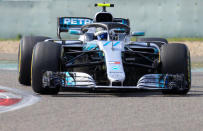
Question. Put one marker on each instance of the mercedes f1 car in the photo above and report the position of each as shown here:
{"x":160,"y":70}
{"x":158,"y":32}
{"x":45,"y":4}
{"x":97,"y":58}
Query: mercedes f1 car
{"x":104,"y":57}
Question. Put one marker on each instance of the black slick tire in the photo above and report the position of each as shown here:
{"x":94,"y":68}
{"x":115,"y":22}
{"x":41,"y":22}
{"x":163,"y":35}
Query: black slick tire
{"x":25,"y":56}
{"x":175,"y":59}
{"x":46,"y":57}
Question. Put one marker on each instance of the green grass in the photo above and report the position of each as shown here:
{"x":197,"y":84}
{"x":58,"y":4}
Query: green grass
{"x":184,"y":39}
{"x":17,"y":38}
{"x":197,"y":64}
{"x":9,"y":39}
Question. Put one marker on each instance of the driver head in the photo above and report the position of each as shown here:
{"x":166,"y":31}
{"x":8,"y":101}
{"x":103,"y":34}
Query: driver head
{"x":101,"y":35}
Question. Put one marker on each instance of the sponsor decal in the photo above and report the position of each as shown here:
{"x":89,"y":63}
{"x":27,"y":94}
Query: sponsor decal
{"x":115,"y":67}
{"x":114,"y":62}
{"x":76,"y":21}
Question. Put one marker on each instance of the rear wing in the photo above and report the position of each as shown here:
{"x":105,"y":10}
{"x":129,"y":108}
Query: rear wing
{"x":66,"y":23}
{"x":122,"y":21}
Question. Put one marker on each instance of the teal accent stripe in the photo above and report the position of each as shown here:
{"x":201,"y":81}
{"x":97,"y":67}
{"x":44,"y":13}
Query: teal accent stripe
{"x":74,"y":32}
{"x":90,"y":46}
{"x":116,"y":43}
{"x":67,"y":74}
{"x":107,"y":43}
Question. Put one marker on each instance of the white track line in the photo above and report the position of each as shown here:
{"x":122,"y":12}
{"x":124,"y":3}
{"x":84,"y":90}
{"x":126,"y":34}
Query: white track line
{"x":9,"y":95}
{"x":28,"y":98}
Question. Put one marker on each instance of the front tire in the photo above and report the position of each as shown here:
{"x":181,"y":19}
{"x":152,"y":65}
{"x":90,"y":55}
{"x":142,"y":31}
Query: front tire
{"x":175,"y":59}
{"x":46,"y":57}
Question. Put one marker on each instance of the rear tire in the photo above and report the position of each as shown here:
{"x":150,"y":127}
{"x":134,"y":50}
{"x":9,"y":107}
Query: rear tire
{"x":46,"y":57}
{"x":157,"y":41}
{"x":25,"y":56}
{"x":175,"y":59}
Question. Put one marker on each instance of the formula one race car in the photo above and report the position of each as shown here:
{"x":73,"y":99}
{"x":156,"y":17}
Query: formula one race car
{"x":104,"y":57}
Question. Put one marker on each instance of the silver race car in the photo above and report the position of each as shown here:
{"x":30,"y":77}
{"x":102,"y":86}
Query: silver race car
{"x":104,"y":57}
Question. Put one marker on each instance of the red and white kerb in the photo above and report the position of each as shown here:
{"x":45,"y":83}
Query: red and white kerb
{"x":8,"y":98}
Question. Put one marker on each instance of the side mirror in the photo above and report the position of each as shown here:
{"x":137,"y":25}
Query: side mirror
{"x":138,"y":33}
{"x":75,"y":32}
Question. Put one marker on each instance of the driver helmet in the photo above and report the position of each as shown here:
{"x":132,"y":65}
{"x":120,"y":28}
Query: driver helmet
{"x":101,"y":35}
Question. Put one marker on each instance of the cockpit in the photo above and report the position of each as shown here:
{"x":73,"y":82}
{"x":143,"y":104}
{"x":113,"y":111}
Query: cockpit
{"x":106,"y":31}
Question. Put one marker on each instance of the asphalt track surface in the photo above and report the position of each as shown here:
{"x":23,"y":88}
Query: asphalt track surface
{"x":106,"y":111}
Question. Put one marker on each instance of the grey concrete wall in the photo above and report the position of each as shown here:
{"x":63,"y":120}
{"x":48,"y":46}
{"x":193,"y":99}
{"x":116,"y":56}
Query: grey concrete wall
{"x":165,"y":18}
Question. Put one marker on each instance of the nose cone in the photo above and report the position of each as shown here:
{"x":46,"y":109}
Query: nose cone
{"x":113,"y":59}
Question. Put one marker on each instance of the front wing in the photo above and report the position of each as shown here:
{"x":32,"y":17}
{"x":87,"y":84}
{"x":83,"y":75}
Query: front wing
{"x":84,"y":81}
